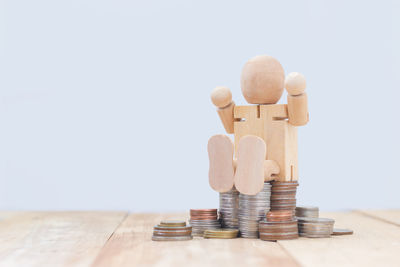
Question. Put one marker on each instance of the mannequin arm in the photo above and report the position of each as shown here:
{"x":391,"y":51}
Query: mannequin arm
{"x":222,"y":99}
{"x":295,"y":84}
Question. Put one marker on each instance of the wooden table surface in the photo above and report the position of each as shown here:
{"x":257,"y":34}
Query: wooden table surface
{"x":121,"y":239}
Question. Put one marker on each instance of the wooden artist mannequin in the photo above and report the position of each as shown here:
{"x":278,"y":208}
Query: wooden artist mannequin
{"x":265,"y":133}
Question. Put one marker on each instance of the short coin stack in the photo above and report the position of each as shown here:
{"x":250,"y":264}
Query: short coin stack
{"x":283,"y":195}
{"x":307,"y":211}
{"x":229,"y":209}
{"x":252,"y":209}
{"x":203,"y":219}
{"x":172,"y":231}
{"x":315,"y":227}
{"x":221,"y":233}
{"x":279,"y":225}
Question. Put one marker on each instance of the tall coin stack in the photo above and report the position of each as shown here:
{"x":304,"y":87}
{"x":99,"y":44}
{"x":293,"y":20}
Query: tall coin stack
{"x":283,"y":195}
{"x":203,"y":219}
{"x":279,"y":225}
{"x":252,"y":210}
{"x":229,"y":209}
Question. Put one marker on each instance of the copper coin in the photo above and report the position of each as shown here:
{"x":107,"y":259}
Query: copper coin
{"x":278,"y":237}
{"x":168,"y":228}
{"x":283,"y":201}
{"x":282,"y":205}
{"x":276,"y":227}
{"x":274,"y":183}
{"x":282,"y":208}
{"x":283,"y":196}
{"x":203,"y":210}
{"x":283,"y":234}
{"x":280,"y":213}
{"x":279,"y":219}
{"x":171,"y":234}
{"x":157,"y":233}
{"x":288,"y":193}
{"x":280,"y":224}
{"x":283,"y":188}
{"x":203,"y":218}
{"x":203,"y":214}
{"x":284,"y":215}
{"x":337,"y":231}
{"x":173,"y":231}
{"x":279,"y":230}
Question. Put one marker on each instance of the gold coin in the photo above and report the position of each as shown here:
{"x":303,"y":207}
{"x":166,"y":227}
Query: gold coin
{"x":221,"y":233}
{"x":172,"y":223}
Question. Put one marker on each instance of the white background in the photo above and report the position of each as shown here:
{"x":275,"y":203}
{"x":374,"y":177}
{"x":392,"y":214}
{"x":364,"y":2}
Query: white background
{"x":105,"y":104}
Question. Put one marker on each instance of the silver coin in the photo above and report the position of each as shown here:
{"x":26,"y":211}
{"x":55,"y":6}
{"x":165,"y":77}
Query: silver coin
{"x":314,"y":235}
{"x":315,"y":227}
{"x":281,"y":234}
{"x":307,"y":211}
{"x":229,"y":208}
{"x":199,"y":226}
{"x":315,"y":220}
{"x":171,"y":238}
{"x":252,"y":209}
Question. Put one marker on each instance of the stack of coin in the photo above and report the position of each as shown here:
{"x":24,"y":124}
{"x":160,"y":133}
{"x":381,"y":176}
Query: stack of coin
{"x":172,"y":231}
{"x":203,"y":219}
{"x":283,"y":195}
{"x":307,"y":211}
{"x":278,"y":230}
{"x":252,"y":209}
{"x":221,"y":233}
{"x":280,"y":216}
{"x":315,"y":227}
{"x":229,"y":209}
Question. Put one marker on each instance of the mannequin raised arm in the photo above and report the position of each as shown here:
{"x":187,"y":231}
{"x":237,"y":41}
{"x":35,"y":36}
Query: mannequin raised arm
{"x":295,"y":85}
{"x":222,"y":99}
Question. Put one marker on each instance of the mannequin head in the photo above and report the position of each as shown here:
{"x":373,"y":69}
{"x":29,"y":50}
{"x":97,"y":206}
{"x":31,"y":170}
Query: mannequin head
{"x":262,"y":80}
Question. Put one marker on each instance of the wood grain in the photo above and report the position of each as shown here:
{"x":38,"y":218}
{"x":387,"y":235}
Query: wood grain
{"x":107,"y":239}
{"x":298,"y":109}
{"x":226,"y":116}
{"x":390,"y":216}
{"x":131,"y":245}
{"x":374,"y":243}
{"x":55,"y":238}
